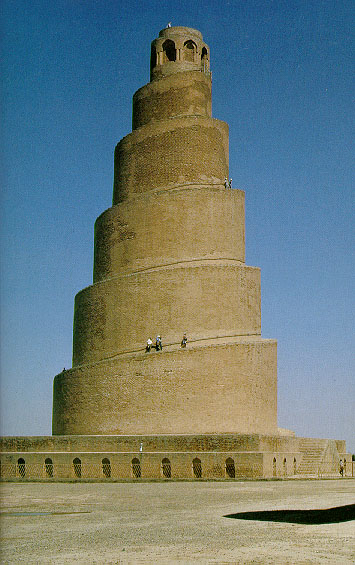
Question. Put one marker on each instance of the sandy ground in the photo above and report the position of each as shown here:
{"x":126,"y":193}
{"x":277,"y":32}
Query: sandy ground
{"x":176,"y":522}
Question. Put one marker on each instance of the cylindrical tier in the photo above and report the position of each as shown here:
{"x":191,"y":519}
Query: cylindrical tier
{"x":169,"y":227}
{"x":183,"y":94}
{"x":170,"y":153}
{"x":205,"y":299}
{"x":177,"y":50}
{"x":228,"y":388}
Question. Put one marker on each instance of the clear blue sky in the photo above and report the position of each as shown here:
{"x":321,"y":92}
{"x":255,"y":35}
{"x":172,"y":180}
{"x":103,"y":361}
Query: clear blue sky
{"x":282,"y":79}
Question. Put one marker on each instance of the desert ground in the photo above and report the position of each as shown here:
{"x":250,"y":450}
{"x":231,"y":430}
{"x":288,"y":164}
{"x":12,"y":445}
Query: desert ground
{"x":282,"y":522}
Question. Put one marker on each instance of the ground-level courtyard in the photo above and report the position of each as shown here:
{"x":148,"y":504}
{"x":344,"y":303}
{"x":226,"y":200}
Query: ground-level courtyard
{"x":283,"y":522}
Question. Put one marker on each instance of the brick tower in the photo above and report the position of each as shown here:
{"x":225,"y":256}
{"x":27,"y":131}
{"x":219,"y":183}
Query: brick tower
{"x":169,"y":258}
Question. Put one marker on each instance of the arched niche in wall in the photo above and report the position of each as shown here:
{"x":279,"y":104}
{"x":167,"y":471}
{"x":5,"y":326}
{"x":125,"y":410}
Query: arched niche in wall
{"x":169,"y":51}
{"x":190,"y":49}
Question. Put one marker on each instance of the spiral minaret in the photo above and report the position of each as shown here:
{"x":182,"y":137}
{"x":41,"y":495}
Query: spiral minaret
{"x":169,"y":258}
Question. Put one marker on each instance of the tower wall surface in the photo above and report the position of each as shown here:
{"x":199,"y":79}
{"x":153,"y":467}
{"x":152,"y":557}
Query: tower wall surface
{"x":115,"y":315}
{"x":153,"y":230}
{"x":169,"y":258}
{"x":215,"y":386}
{"x":170,"y":153}
{"x":183,"y":94}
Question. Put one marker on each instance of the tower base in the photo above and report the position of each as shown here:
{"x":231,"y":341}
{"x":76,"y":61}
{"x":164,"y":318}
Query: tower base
{"x":134,"y":457}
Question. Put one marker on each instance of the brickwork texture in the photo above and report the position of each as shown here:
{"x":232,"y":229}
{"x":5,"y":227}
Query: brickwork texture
{"x":170,"y":258}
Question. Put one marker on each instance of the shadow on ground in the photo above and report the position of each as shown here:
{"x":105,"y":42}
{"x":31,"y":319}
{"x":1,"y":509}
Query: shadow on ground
{"x":321,"y":516}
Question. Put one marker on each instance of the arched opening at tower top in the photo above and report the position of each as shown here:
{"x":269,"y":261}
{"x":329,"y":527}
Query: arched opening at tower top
{"x":204,"y":59}
{"x":169,"y":51}
{"x":189,"y":50}
{"x":153,"y":57}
